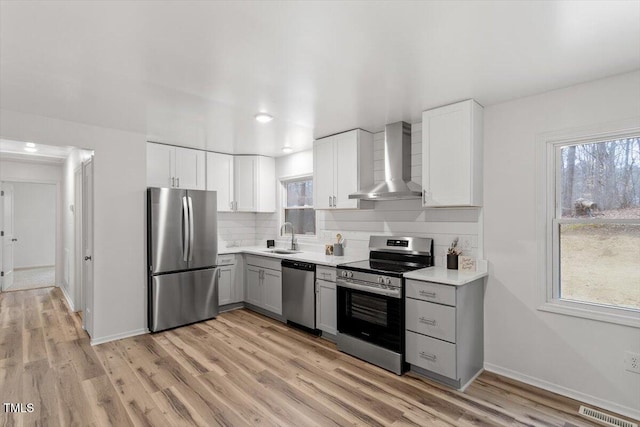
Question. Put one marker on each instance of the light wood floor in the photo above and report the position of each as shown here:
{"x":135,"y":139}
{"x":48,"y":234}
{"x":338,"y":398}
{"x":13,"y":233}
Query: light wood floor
{"x":238,"y":370}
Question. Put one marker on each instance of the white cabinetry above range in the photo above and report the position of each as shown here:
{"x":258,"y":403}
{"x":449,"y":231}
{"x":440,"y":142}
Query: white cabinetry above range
{"x":343,"y":164}
{"x":175,"y":167}
{"x":452,"y":155}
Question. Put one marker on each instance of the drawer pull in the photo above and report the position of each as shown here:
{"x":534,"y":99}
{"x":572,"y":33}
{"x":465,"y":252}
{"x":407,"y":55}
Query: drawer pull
{"x":431,"y":357}
{"x":428,"y":294}
{"x":431,"y":322}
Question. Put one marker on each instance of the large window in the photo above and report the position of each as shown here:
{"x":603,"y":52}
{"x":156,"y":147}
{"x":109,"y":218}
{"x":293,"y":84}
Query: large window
{"x":593,"y":226}
{"x":298,"y":205}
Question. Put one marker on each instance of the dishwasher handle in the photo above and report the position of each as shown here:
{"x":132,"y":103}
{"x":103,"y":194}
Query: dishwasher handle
{"x":298,"y":265}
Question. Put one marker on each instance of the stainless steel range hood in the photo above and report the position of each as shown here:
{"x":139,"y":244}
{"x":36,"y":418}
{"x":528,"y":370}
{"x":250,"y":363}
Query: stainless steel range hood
{"x":397,"y":184}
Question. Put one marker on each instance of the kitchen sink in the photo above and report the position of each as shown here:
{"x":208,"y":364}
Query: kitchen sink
{"x":282,"y":251}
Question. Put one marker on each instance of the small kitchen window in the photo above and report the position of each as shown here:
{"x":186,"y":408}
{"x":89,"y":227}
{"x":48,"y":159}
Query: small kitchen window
{"x":298,"y":205}
{"x":592,"y":227}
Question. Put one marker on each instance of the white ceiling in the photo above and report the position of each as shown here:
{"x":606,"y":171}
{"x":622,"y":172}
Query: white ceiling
{"x":194,"y":73}
{"x":15,"y":150}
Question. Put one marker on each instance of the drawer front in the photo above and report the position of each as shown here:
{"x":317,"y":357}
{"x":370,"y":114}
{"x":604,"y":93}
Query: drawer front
{"x":326,"y":273}
{"x":435,"y":320}
{"x":226,"y":260}
{"x":431,"y":354}
{"x":264,"y":262}
{"x":432,"y":292}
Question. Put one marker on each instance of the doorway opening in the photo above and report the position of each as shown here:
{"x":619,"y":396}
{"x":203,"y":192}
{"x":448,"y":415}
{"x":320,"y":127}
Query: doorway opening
{"x":29,"y":230}
{"x":46,"y":221}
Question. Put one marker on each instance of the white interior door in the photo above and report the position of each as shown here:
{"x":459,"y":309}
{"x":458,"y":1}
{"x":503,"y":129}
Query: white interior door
{"x":87,"y":244}
{"x":7,"y":239}
{"x":78,"y":251}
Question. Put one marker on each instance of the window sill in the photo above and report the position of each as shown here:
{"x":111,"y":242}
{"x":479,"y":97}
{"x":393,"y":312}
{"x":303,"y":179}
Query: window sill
{"x":593,"y":312}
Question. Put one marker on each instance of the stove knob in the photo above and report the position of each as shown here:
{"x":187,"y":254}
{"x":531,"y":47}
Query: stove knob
{"x":344,"y":274}
{"x":350,"y":274}
{"x":387,"y":281}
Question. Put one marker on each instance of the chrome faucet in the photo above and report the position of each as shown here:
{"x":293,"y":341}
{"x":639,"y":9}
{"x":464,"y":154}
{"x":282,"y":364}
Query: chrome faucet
{"x":293,"y":234}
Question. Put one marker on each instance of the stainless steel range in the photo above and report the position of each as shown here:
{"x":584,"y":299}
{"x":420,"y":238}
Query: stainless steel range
{"x":371,"y":299}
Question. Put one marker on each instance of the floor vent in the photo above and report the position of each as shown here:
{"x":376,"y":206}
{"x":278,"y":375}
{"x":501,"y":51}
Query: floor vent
{"x":605,"y":418}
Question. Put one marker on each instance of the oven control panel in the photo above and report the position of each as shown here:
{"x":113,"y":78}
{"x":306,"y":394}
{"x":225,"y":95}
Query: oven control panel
{"x":374,"y":283}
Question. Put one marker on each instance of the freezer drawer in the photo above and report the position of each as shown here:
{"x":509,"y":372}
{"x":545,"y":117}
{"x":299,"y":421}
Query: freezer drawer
{"x":181,"y":298}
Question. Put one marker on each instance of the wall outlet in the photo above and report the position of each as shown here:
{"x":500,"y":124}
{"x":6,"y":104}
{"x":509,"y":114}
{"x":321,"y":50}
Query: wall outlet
{"x":632,"y":362}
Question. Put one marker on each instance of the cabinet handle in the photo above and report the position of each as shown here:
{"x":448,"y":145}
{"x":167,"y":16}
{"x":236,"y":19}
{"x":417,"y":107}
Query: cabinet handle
{"x":424,"y":197}
{"x":178,"y":180}
{"x":330,"y":205}
{"x":431,"y":322}
{"x":431,"y":357}
{"x":334,"y":201}
{"x":173,"y":181}
{"x":428,"y":294}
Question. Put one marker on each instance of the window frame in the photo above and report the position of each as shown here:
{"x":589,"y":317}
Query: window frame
{"x":283,"y":205}
{"x":549,"y":219}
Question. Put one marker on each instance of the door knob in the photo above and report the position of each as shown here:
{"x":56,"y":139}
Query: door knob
{"x":87,"y":258}
{"x":14,"y":240}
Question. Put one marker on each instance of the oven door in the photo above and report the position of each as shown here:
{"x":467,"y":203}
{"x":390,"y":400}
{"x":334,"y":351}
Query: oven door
{"x":375,"y":318}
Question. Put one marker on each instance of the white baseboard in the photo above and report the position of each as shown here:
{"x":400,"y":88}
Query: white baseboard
{"x":568,"y":392}
{"x":29,"y":267}
{"x":102,"y":340}
{"x":68,"y":298}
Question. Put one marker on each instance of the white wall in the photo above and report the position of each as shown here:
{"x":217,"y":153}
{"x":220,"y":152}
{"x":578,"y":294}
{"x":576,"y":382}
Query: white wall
{"x":119,"y":303}
{"x":34,"y":224}
{"x":400,"y":217}
{"x":572,"y":355}
{"x":24,"y":171}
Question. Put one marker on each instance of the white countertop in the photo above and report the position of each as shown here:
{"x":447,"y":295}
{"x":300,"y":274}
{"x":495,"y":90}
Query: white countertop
{"x":306,"y":256}
{"x":445,"y":276}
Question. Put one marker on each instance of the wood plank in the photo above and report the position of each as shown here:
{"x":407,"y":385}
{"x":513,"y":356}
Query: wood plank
{"x":34,"y":347}
{"x":104,"y":402}
{"x":11,"y":342}
{"x":39,"y":388}
{"x":177,"y":411}
{"x":139,"y":405}
{"x":80,"y":353}
{"x":74,"y":408}
{"x":11,"y":372}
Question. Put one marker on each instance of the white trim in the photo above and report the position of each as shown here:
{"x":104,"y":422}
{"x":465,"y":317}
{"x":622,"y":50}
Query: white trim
{"x":108,"y":338}
{"x":564,"y":391}
{"x":546,"y":199}
{"x":29,"y":267}
{"x":66,"y":296}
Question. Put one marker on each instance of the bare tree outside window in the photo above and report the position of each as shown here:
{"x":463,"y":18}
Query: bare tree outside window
{"x":598,"y":222}
{"x":298,"y":208}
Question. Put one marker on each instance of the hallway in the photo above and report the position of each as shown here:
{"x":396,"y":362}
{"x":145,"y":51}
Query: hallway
{"x":32,"y":278}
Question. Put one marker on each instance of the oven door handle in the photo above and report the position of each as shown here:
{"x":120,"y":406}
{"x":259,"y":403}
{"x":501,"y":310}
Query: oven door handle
{"x":393,"y":293}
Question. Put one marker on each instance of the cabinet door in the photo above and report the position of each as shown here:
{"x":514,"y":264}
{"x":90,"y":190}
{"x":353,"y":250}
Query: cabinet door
{"x":327,"y":319}
{"x":225,"y":284}
{"x":347,"y":168}
{"x":272,"y":291}
{"x":450,"y":155}
{"x":244,"y":171}
{"x":220,"y":179}
{"x":190,"y":173}
{"x":160,"y":165}
{"x":254,"y":285}
{"x":266,"y":193}
{"x":323,"y":175}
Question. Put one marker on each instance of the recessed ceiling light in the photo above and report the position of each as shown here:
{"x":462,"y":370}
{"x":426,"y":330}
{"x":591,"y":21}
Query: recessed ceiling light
{"x":287,"y":149}
{"x":30,"y":145}
{"x":30,"y":149}
{"x":264,"y":117}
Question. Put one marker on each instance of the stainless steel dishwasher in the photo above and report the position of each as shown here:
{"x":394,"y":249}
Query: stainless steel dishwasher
{"x":298,"y":293}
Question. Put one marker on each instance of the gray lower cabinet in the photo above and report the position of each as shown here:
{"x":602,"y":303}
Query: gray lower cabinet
{"x":445,"y":330}
{"x":264,"y":283}
{"x":326,"y":300}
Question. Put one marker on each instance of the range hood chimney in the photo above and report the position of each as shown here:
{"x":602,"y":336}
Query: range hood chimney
{"x":397,"y":183}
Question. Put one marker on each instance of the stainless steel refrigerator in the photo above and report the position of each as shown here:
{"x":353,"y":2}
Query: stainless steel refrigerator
{"x":182,"y":247}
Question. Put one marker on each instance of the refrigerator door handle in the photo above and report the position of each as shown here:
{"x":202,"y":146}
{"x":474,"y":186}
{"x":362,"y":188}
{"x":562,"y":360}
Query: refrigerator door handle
{"x":191,"y":232}
{"x":185,"y":230}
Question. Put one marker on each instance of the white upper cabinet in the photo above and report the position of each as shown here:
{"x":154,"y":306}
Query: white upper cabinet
{"x":452,"y":155}
{"x":175,"y":167}
{"x":254,"y":184}
{"x":220,"y":179}
{"x":343,"y":164}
